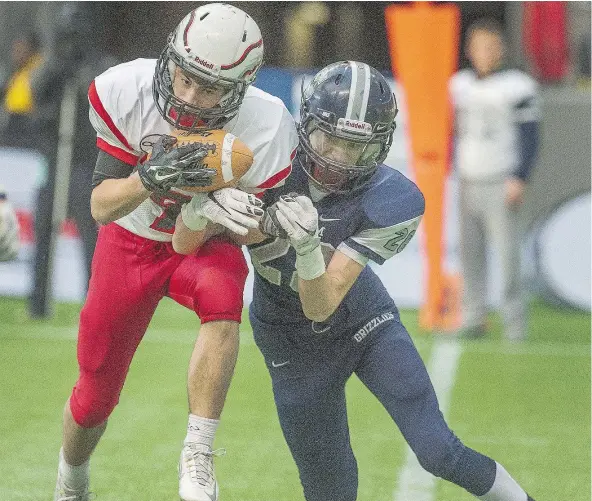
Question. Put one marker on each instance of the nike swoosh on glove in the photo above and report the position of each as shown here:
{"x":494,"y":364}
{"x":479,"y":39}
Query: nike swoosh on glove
{"x":170,"y":167}
{"x":232,"y":208}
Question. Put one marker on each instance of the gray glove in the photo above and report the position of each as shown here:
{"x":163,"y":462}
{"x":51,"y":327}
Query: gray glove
{"x":269,"y":224}
{"x":170,"y":167}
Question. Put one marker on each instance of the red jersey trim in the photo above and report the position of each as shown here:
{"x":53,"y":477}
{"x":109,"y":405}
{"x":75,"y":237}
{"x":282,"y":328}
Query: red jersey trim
{"x":279,"y":176}
{"x":96,"y":103}
{"x":120,"y":154}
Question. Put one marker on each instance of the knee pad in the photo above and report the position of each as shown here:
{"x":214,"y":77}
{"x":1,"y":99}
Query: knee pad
{"x":92,"y":400}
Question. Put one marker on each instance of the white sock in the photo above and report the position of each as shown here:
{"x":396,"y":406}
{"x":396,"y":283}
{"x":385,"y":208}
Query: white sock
{"x":201,"y":430}
{"x":504,"y":487}
{"x":75,"y":477}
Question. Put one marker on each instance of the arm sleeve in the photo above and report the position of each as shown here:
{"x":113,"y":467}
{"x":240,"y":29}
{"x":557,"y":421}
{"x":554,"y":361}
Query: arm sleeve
{"x":528,"y":138}
{"x":109,"y":167}
{"x":104,"y":99}
{"x":389,"y":224}
{"x":380,"y":244}
{"x":527,"y":118}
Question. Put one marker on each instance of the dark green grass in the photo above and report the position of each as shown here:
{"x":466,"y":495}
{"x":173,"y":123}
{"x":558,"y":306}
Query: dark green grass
{"x":527,"y":405}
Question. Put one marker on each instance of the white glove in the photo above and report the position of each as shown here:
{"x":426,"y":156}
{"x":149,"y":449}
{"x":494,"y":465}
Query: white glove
{"x":9,"y":232}
{"x":298,"y":217}
{"x":234,"y":209}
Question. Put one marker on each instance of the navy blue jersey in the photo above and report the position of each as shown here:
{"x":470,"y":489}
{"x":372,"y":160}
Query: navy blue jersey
{"x":372,"y":223}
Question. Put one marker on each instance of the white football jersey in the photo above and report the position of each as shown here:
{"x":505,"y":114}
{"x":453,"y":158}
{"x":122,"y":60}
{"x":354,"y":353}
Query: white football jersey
{"x":487,"y":114}
{"x":123,"y":112}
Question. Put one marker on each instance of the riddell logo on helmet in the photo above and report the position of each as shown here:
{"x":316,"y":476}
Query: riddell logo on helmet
{"x":349,"y":125}
{"x":355,"y":125}
{"x":203,"y":62}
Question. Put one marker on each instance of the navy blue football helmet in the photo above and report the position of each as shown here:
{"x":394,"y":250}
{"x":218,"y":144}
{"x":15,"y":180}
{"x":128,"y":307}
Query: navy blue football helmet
{"x":347,"y":120}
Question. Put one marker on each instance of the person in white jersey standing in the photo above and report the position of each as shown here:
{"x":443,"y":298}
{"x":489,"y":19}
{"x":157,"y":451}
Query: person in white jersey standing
{"x":200,"y":81}
{"x":495,"y":144}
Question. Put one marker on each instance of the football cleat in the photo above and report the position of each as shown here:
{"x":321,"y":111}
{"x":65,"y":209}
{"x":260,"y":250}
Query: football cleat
{"x":64,"y":493}
{"x":197,"y":481}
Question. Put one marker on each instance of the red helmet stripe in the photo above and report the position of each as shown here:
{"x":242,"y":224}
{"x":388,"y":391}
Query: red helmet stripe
{"x":258,"y":43}
{"x":189,"y":23}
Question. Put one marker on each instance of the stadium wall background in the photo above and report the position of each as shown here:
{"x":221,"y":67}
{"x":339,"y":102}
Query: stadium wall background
{"x":556,"y":232}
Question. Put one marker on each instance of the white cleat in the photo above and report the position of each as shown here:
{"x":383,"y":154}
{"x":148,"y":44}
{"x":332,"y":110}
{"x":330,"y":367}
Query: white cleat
{"x":197,"y":481}
{"x":64,"y":493}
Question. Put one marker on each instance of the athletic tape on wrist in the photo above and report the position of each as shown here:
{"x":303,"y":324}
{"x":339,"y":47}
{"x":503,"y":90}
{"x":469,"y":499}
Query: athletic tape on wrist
{"x":311,"y":265}
{"x":193,"y":221}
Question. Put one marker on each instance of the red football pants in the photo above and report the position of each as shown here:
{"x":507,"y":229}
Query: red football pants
{"x":130,"y":274}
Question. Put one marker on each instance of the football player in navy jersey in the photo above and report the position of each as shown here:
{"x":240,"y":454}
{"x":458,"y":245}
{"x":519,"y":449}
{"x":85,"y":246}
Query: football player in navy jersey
{"x":319,"y":314}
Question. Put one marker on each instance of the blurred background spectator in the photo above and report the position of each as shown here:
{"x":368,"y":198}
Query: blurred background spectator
{"x":45,"y":108}
{"x":496,"y":140}
{"x":71,"y":63}
{"x":15,"y":91}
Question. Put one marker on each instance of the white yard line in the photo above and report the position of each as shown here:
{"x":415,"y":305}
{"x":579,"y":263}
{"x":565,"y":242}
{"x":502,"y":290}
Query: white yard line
{"x":414,"y":482}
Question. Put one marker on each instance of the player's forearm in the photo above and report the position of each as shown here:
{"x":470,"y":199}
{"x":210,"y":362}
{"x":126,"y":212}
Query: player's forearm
{"x":186,"y":241}
{"x":320,"y":297}
{"x":253,"y":237}
{"x":324,"y":291}
{"x":115,"y":198}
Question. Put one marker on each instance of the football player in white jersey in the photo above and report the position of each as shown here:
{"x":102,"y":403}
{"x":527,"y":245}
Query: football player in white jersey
{"x":496,"y":140}
{"x":200,"y":81}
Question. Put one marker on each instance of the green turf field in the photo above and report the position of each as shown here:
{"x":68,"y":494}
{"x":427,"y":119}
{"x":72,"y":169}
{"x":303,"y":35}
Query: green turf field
{"x":527,"y":405}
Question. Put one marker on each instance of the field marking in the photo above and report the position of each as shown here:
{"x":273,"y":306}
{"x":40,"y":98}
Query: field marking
{"x":526,"y":348}
{"x":414,"y":482}
{"x":177,"y":336}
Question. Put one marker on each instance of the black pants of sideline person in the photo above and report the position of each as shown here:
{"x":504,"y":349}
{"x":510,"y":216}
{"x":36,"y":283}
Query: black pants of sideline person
{"x":79,"y":210}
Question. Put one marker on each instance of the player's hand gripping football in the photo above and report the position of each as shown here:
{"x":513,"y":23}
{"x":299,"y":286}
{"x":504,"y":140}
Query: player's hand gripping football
{"x":170,"y":167}
{"x":298,"y":217}
{"x":234,"y":209}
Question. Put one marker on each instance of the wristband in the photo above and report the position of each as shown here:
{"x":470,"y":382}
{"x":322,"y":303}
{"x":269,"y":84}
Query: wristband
{"x":311,"y":265}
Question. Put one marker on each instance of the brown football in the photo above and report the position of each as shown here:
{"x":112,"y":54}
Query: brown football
{"x":227,"y":154}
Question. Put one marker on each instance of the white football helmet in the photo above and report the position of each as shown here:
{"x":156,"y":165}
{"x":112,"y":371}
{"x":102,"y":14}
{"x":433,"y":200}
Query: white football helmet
{"x":218,"y":43}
